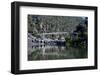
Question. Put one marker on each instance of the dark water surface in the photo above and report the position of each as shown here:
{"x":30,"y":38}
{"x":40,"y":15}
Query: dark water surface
{"x":56,"y":52}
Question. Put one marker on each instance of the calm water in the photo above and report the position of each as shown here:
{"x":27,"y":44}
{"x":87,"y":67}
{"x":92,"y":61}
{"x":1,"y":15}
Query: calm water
{"x":55,"y":52}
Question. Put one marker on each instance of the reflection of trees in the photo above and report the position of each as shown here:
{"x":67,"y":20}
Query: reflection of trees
{"x":55,"y":52}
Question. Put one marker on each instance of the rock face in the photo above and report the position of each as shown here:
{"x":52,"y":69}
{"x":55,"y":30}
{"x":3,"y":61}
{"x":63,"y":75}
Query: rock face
{"x":43,"y":23}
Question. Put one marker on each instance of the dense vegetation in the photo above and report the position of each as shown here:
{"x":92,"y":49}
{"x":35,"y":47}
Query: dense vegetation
{"x":79,"y":37}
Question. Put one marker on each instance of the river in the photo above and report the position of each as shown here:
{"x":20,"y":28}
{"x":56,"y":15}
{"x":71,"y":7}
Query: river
{"x":49,"y":52}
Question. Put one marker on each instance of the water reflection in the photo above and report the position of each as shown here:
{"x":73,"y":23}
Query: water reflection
{"x":49,"y":52}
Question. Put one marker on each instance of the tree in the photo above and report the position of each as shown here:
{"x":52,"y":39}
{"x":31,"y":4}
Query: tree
{"x":78,"y":38}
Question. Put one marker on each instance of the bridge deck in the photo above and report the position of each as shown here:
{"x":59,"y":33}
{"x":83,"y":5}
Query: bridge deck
{"x":53,"y":33}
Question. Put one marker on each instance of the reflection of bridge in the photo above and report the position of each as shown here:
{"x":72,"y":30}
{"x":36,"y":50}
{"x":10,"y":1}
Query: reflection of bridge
{"x":43,"y":40}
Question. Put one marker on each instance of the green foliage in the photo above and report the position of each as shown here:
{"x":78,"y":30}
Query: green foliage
{"x":79,"y":36}
{"x":68,"y":41}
